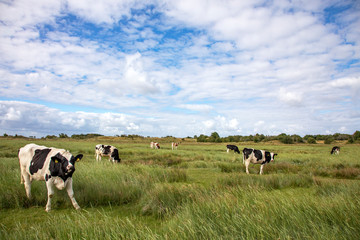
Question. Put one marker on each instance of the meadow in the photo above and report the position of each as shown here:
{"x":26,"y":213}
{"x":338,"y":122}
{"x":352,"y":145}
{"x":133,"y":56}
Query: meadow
{"x":196,"y":192}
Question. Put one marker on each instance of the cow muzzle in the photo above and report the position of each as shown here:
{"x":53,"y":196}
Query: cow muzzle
{"x":70,"y":168}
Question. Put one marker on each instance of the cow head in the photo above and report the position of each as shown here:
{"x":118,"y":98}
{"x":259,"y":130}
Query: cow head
{"x":269,"y":156}
{"x":61,"y":167}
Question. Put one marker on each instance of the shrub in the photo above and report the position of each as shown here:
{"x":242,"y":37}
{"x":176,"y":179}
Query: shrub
{"x":328,"y":140}
{"x":286,"y":139}
{"x":311,"y":140}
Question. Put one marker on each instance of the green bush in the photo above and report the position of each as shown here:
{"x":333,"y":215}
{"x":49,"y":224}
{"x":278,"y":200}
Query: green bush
{"x":311,"y":140}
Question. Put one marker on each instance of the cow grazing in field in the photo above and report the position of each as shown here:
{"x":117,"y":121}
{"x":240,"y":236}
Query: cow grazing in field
{"x":55,"y":166}
{"x":154,"y":145}
{"x":107,"y":150}
{"x":257,"y":157}
{"x":174,"y":145}
{"x":232,"y":147}
{"x":335,"y":150}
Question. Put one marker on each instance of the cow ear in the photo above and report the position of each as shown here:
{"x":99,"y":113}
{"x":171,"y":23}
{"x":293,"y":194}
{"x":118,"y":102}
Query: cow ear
{"x":78,"y":157}
{"x":56,"y":159}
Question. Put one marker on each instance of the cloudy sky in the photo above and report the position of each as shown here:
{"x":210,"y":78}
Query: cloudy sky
{"x":179,"y":68}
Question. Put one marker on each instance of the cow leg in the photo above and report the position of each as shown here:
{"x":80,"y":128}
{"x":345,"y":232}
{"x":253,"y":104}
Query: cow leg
{"x":27,"y":183}
{"x":247,"y":166}
{"x":70,"y":191}
{"x":227,"y":150}
{"x":261,"y":169}
{"x":50,"y":190}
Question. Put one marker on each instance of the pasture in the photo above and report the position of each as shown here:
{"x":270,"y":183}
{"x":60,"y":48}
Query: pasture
{"x":196,"y":192}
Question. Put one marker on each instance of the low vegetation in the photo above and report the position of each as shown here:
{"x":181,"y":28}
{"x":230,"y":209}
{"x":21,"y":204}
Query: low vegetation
{"x":196,"y":192}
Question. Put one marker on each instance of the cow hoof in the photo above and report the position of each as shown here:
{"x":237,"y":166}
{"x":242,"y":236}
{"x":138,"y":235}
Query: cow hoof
{"x":48,"y":209}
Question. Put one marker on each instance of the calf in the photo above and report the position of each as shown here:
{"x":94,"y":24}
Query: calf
{"x":107,"y":150}
{"x":55,"y":166}
{"x":174,"y":145}
{"x":257,"y":157}
{"x":335,"y":150}
{"x":232,"y":147}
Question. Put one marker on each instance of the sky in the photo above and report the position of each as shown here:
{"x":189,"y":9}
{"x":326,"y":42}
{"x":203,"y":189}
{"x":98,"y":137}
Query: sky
{"x":179,"y":68}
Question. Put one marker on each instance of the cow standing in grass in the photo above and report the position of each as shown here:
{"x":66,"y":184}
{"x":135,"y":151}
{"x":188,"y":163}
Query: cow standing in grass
{"x":335,"y":150}
{"x":155,"y":145}
{"x":52,"y":165}
{"x":174,"y":145}
{"x":232,"y":147}
{"x":107,"y":150}
{"x":262,"y":157}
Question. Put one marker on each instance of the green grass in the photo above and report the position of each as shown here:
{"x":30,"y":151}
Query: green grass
{"x":196,"y":192}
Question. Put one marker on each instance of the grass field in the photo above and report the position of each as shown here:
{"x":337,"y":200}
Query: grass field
{"x":196,"y":192}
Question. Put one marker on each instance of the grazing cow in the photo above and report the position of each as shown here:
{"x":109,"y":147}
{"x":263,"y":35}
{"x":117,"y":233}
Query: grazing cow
{"x":174,"y":145}
{"x":335,"y":150}
{"x":257,"y":157}
{"x":154,"y":145}
{"x":55,"y":166}
{"x":107,"y":150}
{"x":232,"y":147}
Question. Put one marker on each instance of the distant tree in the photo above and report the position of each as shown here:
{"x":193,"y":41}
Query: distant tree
{"x":63,"y":135}
{"x":286,"y":139}
{"x":51,"y":137}
{"x":329,"y":140}
{"x":5,"y":135}
{"x":215,"y":137}
{"x":311,"y":140}
{"x":297,"y":138}
{"x":356,"y":135}
{"x":202,"y":138}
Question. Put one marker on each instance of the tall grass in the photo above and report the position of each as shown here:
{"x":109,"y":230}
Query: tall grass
{"x":196,"y":192}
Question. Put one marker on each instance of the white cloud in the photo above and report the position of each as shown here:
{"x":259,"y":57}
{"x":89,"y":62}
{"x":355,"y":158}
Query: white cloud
{"x":351,"y":82}
{"x":196,"y":107}
{"x":290,"y":97}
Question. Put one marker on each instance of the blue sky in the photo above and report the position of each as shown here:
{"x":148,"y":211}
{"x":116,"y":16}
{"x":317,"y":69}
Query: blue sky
{"x":180,"y":68}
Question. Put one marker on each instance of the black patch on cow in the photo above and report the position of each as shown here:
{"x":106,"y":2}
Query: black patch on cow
{"x":47,"y":177}
{"x":267,"y":157}
{"x":247,"y":152}
{"x":115,"y":155}
{"x":38,"y":160}
{"x":58,"y":164}
{"x":233,"y":147}
{"x":258,"y":155}
{"x":107,"y":149}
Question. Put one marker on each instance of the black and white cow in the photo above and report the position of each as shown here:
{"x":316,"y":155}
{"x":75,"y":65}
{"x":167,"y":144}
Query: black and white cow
{"x":107,"y":150}
{"x":232,"y":147}
{"x":257,"y":157}
{"x":55,"y":166}
{"x":335,"y":150}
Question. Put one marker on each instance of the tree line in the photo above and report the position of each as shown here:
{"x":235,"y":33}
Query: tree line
{"x":283,"y":137}
{"x":215,"y":137}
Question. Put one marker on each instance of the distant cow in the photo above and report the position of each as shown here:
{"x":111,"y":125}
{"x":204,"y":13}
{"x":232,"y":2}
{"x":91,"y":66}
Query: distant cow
{"x":232,"y":147}
{"x":257,"y":157}
{"x":155,"y":145}
{"x":107,"y":150}
{"x":174,"y":145}
{"x":55,"y":166}
{"x":335,"y":150}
